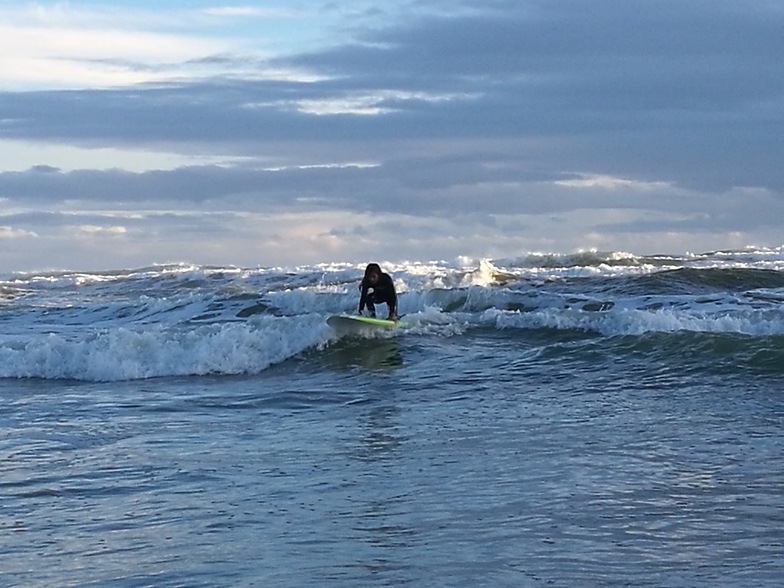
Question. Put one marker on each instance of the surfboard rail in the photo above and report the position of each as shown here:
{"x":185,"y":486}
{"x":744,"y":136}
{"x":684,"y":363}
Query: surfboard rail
{"x":347,"y":320}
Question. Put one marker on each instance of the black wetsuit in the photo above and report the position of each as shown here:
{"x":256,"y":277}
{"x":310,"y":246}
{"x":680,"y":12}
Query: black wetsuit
{"x":383,"y":291}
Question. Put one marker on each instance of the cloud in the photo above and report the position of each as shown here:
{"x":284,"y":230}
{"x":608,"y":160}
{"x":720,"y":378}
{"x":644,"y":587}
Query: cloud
{"x":671,"y":88}
{"x":244,"y":11}
{"x":65,"y":46}
{"x":93,"y":56}
{"x":12,"y":233}
{"x":481,"y":125}
{"x":97,"y":229}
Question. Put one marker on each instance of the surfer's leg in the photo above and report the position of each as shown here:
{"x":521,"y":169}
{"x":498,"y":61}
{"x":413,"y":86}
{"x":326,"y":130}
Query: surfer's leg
{"x":370,"y":303}
{"x":390,"y":301}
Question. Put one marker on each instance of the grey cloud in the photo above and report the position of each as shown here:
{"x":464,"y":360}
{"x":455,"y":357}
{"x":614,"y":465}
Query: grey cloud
{"x":441,"y":186}
{"x":575,"y":44}
{"x":149,"y":222}
{"x":595,"y":63}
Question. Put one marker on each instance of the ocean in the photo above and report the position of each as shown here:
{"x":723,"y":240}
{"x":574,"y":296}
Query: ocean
{"x":594,"y":419}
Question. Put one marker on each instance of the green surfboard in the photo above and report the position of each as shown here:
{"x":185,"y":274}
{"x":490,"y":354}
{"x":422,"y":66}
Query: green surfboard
{"x":347,"y":322}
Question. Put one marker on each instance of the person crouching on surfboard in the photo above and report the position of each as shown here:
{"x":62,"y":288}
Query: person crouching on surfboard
{"x":377,"y":288}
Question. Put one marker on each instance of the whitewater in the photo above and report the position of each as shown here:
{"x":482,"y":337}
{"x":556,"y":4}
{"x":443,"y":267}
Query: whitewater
{"x":177,"y":320}
{"x":590,"y":419}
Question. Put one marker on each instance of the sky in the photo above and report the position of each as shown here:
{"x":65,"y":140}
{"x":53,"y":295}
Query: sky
{"x":296,"y":132}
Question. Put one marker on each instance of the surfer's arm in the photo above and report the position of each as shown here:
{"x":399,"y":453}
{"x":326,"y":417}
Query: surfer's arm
{"x":363,"y":288}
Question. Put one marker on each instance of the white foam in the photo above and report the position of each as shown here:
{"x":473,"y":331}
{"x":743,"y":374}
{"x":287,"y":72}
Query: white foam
{"x":638,"y":322}
{"x":123,"y":353}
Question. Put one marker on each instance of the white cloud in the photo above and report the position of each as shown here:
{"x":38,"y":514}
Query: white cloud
{"x":83,"y":56}
{"x":380,"y":102}
{"x":12,"y":233}
{"x":24,"y":155}
{"x":101,"y":230}
{"x":68,"y":46}
{"x":610,"y":183}
{"x":249,"y":11}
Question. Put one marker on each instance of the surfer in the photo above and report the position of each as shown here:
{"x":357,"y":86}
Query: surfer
{"x":377,"y":288}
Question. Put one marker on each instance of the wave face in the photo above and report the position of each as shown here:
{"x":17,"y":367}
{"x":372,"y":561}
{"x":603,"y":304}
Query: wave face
{"x":184,"y":320}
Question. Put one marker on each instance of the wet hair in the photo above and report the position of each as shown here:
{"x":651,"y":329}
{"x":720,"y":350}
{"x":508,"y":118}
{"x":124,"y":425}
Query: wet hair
{"x":372,"y":268}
